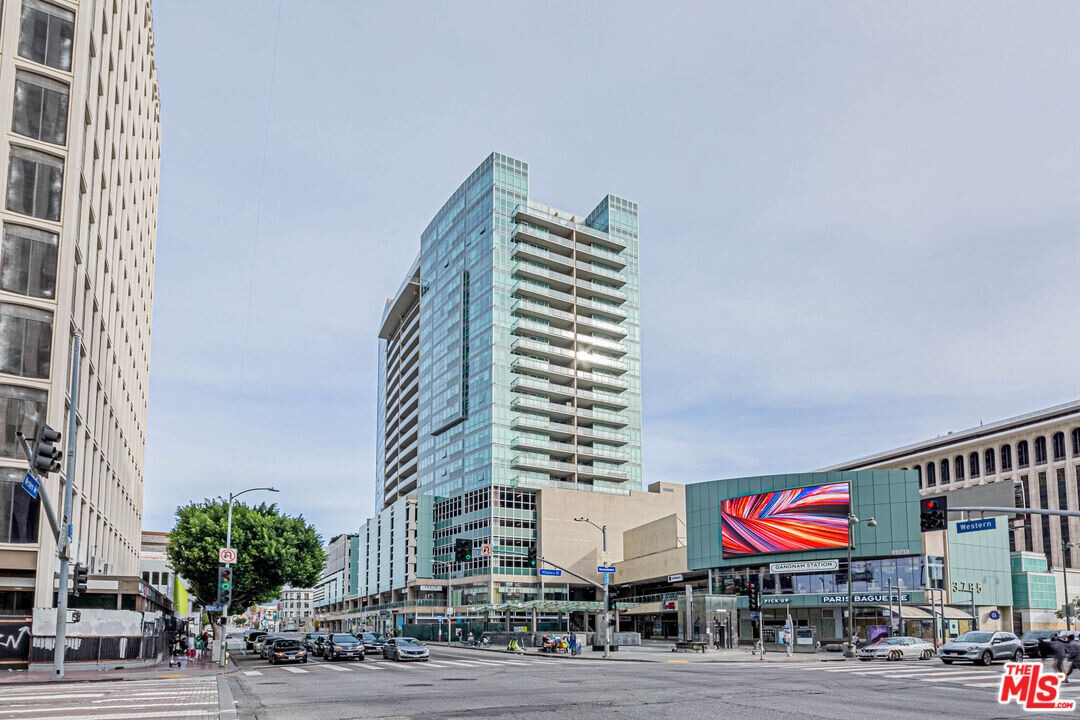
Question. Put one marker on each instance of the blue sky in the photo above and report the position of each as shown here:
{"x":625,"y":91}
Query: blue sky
{"x":859,"y":221}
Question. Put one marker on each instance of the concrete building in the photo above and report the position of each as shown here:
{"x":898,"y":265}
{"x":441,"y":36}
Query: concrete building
{"x":295,"y":609}
{"x":158,"y":573}
{"x":79,"y":160}
{"x":1038,"y":456}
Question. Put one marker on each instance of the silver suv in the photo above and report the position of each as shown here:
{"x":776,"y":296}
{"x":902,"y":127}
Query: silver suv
{"x":983,"y":647}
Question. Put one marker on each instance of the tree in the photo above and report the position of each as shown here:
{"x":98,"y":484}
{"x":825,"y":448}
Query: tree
{"x":273,"y":550}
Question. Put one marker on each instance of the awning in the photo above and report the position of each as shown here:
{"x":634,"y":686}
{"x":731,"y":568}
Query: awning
{"x":649,"y":608}
{"x":951,"y":613}
{"x":589,"y":606}
{"x":910,"y":613}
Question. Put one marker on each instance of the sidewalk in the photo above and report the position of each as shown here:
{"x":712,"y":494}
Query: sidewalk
{"x":161,"y":671}
{"x":662,"y":653}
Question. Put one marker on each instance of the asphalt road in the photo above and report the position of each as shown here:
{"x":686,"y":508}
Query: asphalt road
{"x":466,"y":684}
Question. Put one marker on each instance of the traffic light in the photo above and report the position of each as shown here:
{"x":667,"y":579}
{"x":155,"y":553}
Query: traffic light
{"x":612,"y":605}
{"x":225,"y":585}
{"x":530,"y":559}
{"x":753,"y":596}
{"x":45,"y":456}
{"x":934,"y":513}
{"x":462,"y":550}
{"x":81,"y":571}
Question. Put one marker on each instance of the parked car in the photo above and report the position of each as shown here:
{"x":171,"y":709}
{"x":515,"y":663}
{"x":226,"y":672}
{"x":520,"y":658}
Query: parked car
{"x":262,"y":645}
{"x":983,"y":647}
{"x":405,"y":648}
{"x":1032,"y":647}
{"x":898,"y":648}
{"x":373,"y":642}
{"x":250,"y":637}
{"x":286,"y":650}
{"x":342,"y":645}
{"x":310,"y":640}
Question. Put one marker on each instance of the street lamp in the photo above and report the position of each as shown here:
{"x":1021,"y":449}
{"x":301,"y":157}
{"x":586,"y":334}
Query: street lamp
{"x":607,"y":629}
{"x":852,"y":522}
{"x":1065,"y":576}
{"x":228,"y":544}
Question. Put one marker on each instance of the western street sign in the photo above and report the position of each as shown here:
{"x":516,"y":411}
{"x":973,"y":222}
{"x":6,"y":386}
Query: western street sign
{"x":227,"y":555}
{"x":804,"y":566}
{"x":606,"y":569}
{"x":213,"y":608}
{"x":552,"y":573}
{"x":976,"y":525}
{"x":30,"y":485}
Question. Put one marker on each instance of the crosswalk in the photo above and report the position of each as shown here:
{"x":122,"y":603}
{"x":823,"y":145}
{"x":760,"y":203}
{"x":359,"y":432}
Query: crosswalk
{"x":379,"y":665}
{"x":193,"y":698}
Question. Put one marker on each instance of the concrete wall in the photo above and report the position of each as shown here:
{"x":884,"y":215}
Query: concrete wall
{"x":95,"y":623}
{"x":577,"y":545}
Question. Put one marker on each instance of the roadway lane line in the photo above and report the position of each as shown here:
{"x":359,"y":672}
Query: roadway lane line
{"x":465,"y":663}
{"x":52,"y":696}
{"x":987,"y":684}
{"x":365,"y":666}
{"x":295,"y":670}
{"x":140,"y":715}
{"x":337,"y":668}
{"x":958,"y":676}
{"x":251,"y":673}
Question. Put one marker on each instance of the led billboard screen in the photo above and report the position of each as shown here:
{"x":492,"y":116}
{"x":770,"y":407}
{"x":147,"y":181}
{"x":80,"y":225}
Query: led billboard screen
{"x":806,"y":518}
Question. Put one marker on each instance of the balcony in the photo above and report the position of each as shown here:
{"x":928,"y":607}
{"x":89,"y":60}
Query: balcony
{"x":540,"y":236}
{"x":527,"y":252}
{"x":595,"y":252}
{"x":555,"y":372}
{"x":555,"y":335}
{"x":588,"y":471}
{"x":604,"y":381}
{"x":602,"y":343}
{"x":601,"y":326}
{"x":548,"y":352}
{"x":585,"y":359}
{"x":557,"y":280}
{"x":584,"y":452}
{"x":604,"y":291}
{"x":612,"y":311}
{"x":609,"y":418}
{"x":525,"y":442}
{"x":603,"y":399}
{"x":537,"y":424}
{"x":590,"y":270}
{"x":609,"y":436}
{"x":538,"y":405}
{"x":540,"y":291}
{"x":545,"y":219}
{"x":531,"y":461}
{"x":549,"y":389}
{"x":526,"y":308}
{"x":601,"y":237}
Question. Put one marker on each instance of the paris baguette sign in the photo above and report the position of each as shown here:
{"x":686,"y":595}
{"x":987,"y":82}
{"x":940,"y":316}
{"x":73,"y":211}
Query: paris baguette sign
{"x":804,"y":566}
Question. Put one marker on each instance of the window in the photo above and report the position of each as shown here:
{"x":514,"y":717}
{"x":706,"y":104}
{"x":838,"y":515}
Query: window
{"x":25,"y":339}
{"x":918,"y":474}
{"x":1029,"y":545}
{"x":146,"y":577}
{"x":1063,"y":504}
{"x":34,"y":183}
{"x":1040,"y":450}
{"x":21,"y":409}
{"x":19,"y":512}
{"x":944,"y":472}
{"x":1006,"y":458}
{"x":28,"y":262}
{"x":931,"y":481}
{"x":1059,"y":446}
{"x":164,"y":578}
{"x":1076,"y":441}
{"x":973,"y":465}
{"x":41,"y":108}
{"x":154,"y":579}
{"x":959,"y":463}
{"x":46,"y":34}
{"x":1044,"y":502}
{"x":988,"y":461}
{"x":1022,"y":454}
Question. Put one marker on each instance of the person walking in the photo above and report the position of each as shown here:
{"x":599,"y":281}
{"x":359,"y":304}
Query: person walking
{"x":1057,"y":651}
{"x":1072,"y":654}
{"x":573,"y":643}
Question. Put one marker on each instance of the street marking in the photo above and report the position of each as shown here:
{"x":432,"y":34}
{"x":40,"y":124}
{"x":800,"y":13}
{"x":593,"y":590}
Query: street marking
{"x":252,"y":672}
{"x":966,"y":676}
{"x":364,"y":666}
{"x":988,"y":684}
{"x":389,"y":664}
{"x":678,"y":661}
{"x":338,"y":668}
{"x":465,"y":663}
{"x":295,"y":670}
{"x":135,"y":716}
{"x":486,"y":662}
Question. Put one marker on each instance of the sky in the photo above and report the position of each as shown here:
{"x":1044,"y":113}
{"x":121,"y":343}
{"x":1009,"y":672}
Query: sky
{"x":859,"y":224}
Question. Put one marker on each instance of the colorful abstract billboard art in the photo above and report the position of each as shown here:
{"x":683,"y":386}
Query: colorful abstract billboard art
{"x":807,"y":518}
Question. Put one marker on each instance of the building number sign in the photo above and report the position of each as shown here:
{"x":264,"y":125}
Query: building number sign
{"x":967,"y":587}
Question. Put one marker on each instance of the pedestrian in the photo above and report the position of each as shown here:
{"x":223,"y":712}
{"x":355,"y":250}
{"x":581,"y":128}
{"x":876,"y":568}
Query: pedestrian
{"x":573,"y":643}
{"x":1044,"y":649}
{"x":191,"y":647}
{"x":855,"y":640}
{"x":1057,"y":650}
{"x":1072,"y":654}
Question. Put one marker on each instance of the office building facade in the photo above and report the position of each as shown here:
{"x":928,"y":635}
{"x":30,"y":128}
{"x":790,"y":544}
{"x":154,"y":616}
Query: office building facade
{"x":510,"y":358}
{"x":79,"y":160}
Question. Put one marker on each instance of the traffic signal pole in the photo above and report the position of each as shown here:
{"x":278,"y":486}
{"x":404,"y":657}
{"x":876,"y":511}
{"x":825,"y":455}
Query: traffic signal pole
{"x":62,"y":544}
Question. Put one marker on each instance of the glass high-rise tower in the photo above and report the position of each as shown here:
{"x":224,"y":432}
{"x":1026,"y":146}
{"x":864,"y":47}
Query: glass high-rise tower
{"x":510,"y":356}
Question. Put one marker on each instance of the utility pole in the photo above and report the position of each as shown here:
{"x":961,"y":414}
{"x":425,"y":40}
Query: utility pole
{"x":63,"y":544}
{"x":607,"y":611}
{"x":228,"y":544}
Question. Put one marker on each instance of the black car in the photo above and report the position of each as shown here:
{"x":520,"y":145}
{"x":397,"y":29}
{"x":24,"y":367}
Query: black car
{"x":342,"y":645}
{"x":287,"y":650}
{"x":1032,"y":647}
{"x":311,"y":641}
{"x":250,"y":637}
{"x":373,"y":642}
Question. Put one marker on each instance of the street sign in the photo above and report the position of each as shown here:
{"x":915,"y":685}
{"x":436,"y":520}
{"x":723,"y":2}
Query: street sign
{"x":30,"y":485}
{"x":674,"y":578}
{"x":227,"y":555}
{"x":755,"y":615}
{"x":552,"y":573}
{"x":995,"y":615}
{"x":73,"y":616}
{"x":976,"y":525}
{"x":803,"y":566}
{"x":485,"y":550}
{"x":606,"y":569}
{"x":213,"y":608}
{"x":449,"y":612}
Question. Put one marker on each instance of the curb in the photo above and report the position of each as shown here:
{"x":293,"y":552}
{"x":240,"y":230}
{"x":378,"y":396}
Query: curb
{"x":663,"y":659}
{"x":163,"y":675}
{"x":226,"y":705}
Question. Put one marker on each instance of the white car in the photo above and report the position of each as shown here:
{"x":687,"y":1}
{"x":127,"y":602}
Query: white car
{"x":898,"y":648}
